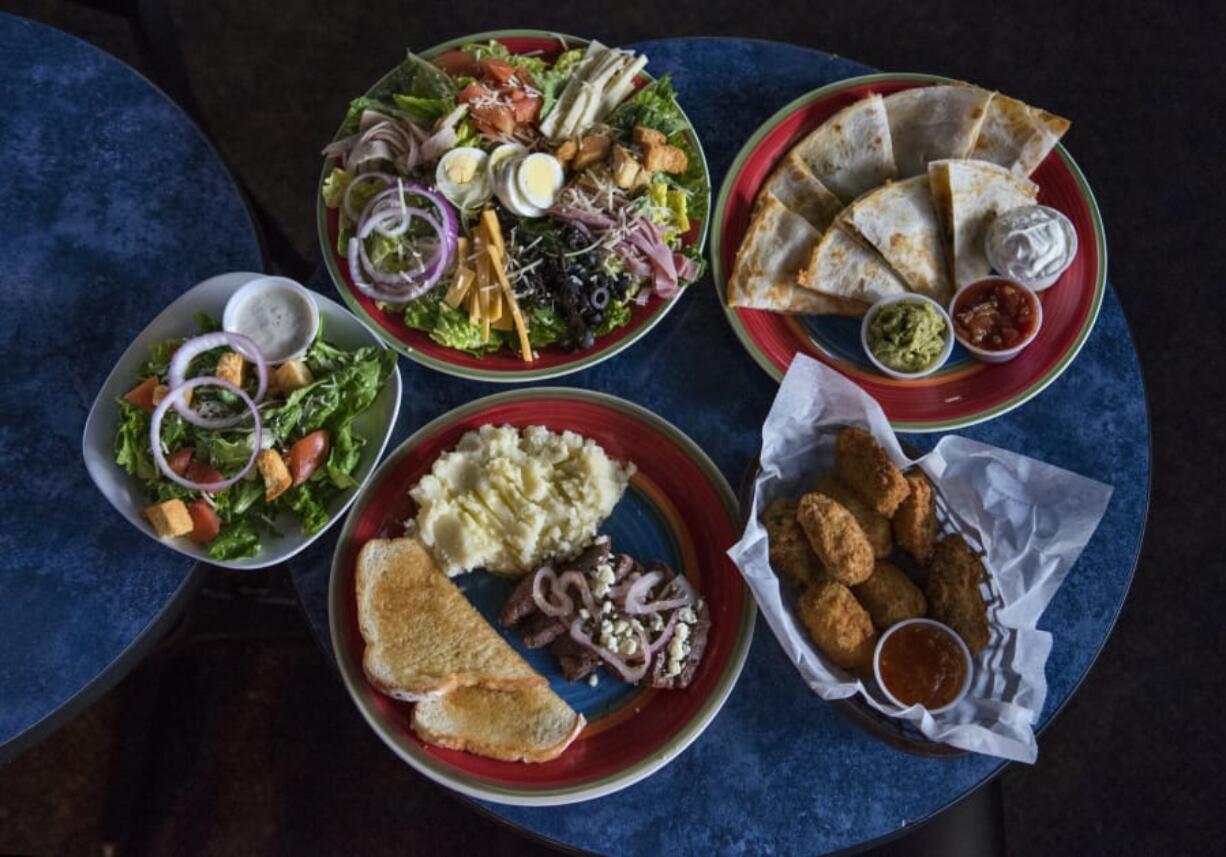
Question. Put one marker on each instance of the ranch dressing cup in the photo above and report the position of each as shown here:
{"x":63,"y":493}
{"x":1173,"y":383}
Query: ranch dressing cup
{"x":1033,"y":244}
{"x":277,"y":314}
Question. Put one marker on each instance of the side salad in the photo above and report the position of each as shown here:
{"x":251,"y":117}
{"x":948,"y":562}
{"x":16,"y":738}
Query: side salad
{"x":584,"y":188}
{"x":239,"y":442}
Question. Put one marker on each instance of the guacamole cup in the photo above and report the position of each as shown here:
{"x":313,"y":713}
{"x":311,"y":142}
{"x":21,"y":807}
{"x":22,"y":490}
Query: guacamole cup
{"x":900,"y":335}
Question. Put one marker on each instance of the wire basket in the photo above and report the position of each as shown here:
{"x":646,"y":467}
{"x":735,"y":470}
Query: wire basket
{"x":898,"y":733}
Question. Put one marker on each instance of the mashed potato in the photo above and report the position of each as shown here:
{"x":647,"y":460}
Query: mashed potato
{"x":507,"y":500}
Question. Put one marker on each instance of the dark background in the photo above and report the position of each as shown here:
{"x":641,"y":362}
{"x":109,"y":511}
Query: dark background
{"x":253,"y":745}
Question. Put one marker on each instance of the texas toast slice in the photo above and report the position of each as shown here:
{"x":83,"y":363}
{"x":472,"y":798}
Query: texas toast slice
{"x":423,"y":638}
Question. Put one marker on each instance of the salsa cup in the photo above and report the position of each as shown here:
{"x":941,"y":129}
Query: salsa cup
{"x":966,"y":656}
{"x":1002,"y":355}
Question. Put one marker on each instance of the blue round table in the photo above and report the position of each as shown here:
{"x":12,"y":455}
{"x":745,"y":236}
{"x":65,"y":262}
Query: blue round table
{"x":779,"y":771}
{"x":114,"y":204}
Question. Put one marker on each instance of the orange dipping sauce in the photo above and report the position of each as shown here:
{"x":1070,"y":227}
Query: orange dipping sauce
{"x":922,"y":664}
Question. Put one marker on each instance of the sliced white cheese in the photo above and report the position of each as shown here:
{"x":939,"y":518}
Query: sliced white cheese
{"x":622,"y":84}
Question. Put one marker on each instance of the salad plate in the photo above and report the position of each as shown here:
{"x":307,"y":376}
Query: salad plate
{"x":638,"y":242}
{"x":677,"y":508}
{"x":128,"y":494}
{"x":963,"y":391}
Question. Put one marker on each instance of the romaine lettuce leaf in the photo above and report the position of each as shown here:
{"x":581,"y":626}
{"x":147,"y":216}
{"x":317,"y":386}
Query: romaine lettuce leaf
{"x":236,"y":540}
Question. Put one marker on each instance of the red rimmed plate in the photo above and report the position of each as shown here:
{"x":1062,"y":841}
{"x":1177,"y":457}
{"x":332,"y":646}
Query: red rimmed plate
{"x":964,"y":391}
{"x":678,"y":508}
{"x":502,"y":366}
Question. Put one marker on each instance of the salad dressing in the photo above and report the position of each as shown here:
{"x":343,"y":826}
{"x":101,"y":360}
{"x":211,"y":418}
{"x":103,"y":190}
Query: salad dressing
{"x":277,"y":320}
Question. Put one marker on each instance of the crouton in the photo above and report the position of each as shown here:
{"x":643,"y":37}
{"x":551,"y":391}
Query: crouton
{"x":593,"y":149}
{"x":648,"y":136}
{"x":665,"y":159}
{"x":290,"y":376}
{"x":276,"y":475}
{"x":625,"y":168}
{"x":160,"y":391}
{"x":230,"y":368}
{"x":566,"y":151}
{"x":170,"y":518}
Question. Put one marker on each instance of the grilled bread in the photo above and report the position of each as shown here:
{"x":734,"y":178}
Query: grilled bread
{"x":423,"y":638}
{"x":533,"y":725}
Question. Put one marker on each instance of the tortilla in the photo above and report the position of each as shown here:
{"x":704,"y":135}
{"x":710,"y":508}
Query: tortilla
{"x":850,"y":152}
{"x":776,"y":246}
{"x":931,"y":123}
{"x":843,"y":267}
{"x":794,"y":185}
{"x":968,"y":195}
{"x":900,"y":222}
{"x":1017,"y":136}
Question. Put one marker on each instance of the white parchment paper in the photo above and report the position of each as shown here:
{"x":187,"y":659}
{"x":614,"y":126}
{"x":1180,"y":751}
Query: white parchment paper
{"x":1031,"y":519}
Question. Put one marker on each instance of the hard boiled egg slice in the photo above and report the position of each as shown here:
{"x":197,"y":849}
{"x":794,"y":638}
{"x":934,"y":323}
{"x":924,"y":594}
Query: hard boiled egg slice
{"x":539,"y":179}
{"x":463,"y":178}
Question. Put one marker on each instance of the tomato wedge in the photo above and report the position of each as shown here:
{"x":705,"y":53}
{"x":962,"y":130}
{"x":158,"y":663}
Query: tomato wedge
{"x":458,"y":64}
{"x":526,"y":108}
{"x":498,"y":70}
{"x":181,"y":459}
{"x":205,"y":523}
{"x":201,"y":473}
{"x":306,"y":455}
{"x":142,"y":394}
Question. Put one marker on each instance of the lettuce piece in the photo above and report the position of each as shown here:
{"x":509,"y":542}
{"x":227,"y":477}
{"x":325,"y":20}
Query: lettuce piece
{"x":303,"y":502}
{"x":615,"y":315}
{"x":132,"y":451}
{"x":343,"y":457}
{"x":424,"y":111}
{"x":226,"y":455}
{"x":545,"y":326}
{"x":453,"y":329}
{"x":358,"y":106}
{"x":429,"y":81}
{"x":486,"y":50}
{"x":236,"y":540}
{"x":422,"y":313}
{"x":335,"y":186}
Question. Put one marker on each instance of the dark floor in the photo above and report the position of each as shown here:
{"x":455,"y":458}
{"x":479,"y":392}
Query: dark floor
{"x":259,"y":732}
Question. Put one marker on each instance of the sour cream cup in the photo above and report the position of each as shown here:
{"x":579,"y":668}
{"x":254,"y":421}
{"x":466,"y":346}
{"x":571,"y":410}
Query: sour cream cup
{"x":276,"y":313}
{"x":968,"y":662}
{"x":994,"y":238}
{"x":1002,"y":355}
{"x":895,"y":373}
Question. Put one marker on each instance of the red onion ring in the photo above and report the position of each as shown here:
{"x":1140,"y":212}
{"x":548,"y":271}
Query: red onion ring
{"x":575,"y":578}
{"x":545,"y":574}
{"x":155,"y":433}
{"x":630,"y":674}
{"x":193,"y":348}
{"x":381,"y":285}
{"x":347,"y":200}
{"x":665,"y":636}
{"x":639,"y":590}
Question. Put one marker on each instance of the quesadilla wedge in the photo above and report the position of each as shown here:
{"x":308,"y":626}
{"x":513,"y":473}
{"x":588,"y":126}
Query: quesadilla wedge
{"x":900,"y":222}
{"x":931,"y":123}
{"x":968,"y":196}
{"x":1016,"y":135}
{"x":794,"y":185}
{"x":776,"y":246}
{"x":851,"y":151}
{"x":843,"y":267}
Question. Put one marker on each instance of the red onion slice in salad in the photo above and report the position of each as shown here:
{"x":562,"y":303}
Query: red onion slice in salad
{"x":193,"y":348}
{"x":175,"y":395}
{"x":639,"y":590}
{"x":389,"y":205}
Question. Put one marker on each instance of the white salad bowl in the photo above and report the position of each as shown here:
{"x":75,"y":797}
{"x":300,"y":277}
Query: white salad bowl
{"x":127,"y":494}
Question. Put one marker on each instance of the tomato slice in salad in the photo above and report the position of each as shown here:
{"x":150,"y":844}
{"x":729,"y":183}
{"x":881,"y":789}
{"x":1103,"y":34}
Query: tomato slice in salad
{"x":142,"y":394}
{"x":498,"y":70}
{"x":205,"y":523}
{"x":180,"y":460}
{"x":306,"y":455}
{"x":458,"y":64}
{"x":199,"y":472}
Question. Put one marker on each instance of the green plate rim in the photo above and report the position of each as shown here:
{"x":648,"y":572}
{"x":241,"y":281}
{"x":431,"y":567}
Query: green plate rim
{"x":406,"y":749}
{"x":719,"y":276}
{"x":476,"y":374}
